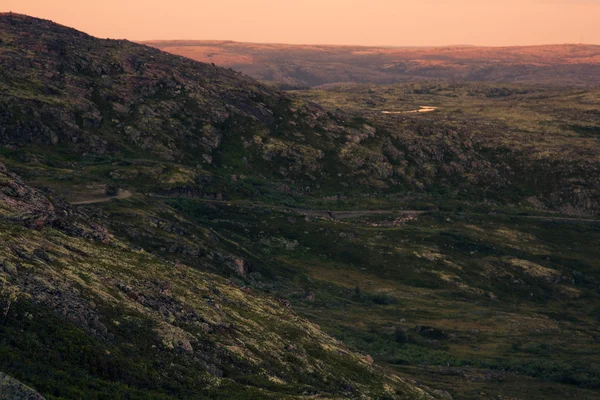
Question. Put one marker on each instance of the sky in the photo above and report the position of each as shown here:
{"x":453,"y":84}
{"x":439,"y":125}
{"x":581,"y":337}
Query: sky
{"x":359,"y":22}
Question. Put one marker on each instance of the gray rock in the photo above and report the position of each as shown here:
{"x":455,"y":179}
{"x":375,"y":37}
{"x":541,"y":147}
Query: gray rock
{"x":9,"y":267}
{"x":241,"y":267}
{"x":442,"y":394}
{"x":12,"y":389}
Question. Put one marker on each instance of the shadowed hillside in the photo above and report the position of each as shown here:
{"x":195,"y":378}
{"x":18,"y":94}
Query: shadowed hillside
{"x":84,"y":314}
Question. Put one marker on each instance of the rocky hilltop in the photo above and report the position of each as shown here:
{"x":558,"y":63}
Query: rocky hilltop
{"x":88,"y":99}
{"x":104,"y":319}
{"x":103,"y":96}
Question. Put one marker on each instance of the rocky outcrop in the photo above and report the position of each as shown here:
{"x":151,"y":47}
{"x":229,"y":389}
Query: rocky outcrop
{"x":12,"y":389}
{"x":76,"y":88}
{"x":24,"y":204}
{"x":37,"y":209}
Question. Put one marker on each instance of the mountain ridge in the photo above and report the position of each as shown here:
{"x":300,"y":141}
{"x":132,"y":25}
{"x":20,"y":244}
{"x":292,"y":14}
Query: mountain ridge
{"x":117,"y":320}
{"x":94,"y":99}
{"x":314,"y":65}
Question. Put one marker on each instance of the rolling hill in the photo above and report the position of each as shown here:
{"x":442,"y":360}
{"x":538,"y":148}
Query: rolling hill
{"x":296,"y":66}
{"x":86,"y":315}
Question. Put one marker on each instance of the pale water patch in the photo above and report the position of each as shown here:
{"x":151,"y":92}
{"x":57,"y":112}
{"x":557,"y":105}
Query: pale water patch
{"x":422,"y":109}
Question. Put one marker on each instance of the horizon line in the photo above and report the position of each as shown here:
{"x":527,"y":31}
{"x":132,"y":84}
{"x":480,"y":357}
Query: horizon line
{"x":581,"y":43}
{"x":360,"y":45}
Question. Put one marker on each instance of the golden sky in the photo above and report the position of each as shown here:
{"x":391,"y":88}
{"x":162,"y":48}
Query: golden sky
{"x":364,"y":22}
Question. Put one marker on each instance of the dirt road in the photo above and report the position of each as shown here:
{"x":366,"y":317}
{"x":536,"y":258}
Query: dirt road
{"x":121,"y":194}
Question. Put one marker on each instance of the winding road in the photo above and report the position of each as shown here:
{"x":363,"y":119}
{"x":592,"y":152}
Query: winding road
{"x":121,"y":194}
{"x":340,"y":215}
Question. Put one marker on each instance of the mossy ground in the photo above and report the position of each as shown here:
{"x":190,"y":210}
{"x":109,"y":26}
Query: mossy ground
{"x":516,"y":297}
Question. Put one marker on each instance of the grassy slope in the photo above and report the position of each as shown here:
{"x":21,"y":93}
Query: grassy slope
{"x":515,"y":303}
{"x":534,"y":137}
{"x":130,"y":325}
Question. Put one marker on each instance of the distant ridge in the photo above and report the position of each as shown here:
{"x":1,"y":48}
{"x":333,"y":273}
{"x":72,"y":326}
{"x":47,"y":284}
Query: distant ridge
{"x":314,"y":65}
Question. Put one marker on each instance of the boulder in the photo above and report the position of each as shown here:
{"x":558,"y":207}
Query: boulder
{"x":431,"y":332}
{"x":9,"y":268}
{"x":12,"y":389}
{"x":241,"y":267}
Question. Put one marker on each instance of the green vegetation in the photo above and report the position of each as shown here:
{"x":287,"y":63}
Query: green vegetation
{"x":505,"y":296}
